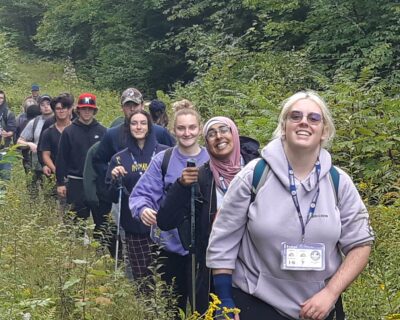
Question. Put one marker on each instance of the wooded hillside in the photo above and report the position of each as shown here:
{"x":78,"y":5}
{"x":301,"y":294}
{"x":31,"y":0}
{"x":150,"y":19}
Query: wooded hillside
{"x":239,"y":58}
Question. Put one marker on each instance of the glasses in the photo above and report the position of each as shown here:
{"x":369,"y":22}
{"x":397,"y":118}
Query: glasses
{"x":212,"y":133}
{"x":312,"y":117}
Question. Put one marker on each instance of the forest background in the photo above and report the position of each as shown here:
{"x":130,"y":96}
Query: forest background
{"x":230,"y":57}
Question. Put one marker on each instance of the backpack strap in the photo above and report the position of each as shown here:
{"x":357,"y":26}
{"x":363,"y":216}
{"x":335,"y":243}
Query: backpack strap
{"x":261,"y":171}
{"x":334,"y":178}
{"x":35,"y":123}
{"x":259,"y":176}
{"x":165,"y":162}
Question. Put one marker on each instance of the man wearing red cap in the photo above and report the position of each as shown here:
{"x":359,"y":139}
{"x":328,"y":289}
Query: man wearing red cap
{"x":75,"y":142}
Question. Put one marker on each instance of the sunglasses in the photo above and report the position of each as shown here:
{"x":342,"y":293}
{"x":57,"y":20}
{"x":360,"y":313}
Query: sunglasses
{"x":312,"y":117}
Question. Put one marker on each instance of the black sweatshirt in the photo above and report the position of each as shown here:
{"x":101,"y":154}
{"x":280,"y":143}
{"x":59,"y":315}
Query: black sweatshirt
{"x":75,"y":142}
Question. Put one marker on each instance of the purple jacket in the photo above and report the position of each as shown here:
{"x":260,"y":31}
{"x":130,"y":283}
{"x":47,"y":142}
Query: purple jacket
{"x":151,"y":189}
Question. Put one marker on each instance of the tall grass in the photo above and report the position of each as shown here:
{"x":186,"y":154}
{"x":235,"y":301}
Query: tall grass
{"x":47,"y":271}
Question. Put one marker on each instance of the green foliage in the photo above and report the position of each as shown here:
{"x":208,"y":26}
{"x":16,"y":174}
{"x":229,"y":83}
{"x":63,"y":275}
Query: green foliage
{"x":55,"y":77}
{"x":107,"y":52}
{"x":348,"y":36}
{"x":376,"y":293}
{"x":47,"y":272}
{"x":367,"y":142}
{"x":7,"y":65}
{"x":20,"y":19}
{"x":249,"y":87}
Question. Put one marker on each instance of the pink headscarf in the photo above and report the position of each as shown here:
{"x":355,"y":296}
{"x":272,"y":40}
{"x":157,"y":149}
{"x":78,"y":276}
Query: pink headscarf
{"x":229,"y":167}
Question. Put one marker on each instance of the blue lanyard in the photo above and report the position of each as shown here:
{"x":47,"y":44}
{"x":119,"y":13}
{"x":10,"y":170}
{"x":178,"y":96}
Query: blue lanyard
{"x":293,"y":192}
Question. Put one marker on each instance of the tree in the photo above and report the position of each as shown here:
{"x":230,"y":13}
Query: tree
{"x":20,"y":19}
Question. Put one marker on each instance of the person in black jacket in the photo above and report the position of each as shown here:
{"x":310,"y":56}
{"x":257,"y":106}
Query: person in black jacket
{"x":75,"y":142}
{"x":7,"y":129}
{"x":126,"y":167}
{"x":228,"y":154}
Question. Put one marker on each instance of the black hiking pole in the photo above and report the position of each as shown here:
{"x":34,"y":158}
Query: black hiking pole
{"x":192,"y":163}
{"x":120,"y":188}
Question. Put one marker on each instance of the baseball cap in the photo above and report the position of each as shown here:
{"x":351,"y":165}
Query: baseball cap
{"x":87,"y":100}
{"x":35,"y":87}
{"x":131,"y":94}
{"x":44,"y":97}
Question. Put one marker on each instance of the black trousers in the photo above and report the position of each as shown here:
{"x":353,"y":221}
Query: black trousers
{"x":177,"y":267}
{"x":76,"y":198}
{"x":253,"y":308}
{"x":104,"y":230}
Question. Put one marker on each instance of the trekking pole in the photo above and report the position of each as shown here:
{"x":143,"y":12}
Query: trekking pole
{"x":192,"y":163}
{"x":193,"y":243}
{"x":120,"y":188}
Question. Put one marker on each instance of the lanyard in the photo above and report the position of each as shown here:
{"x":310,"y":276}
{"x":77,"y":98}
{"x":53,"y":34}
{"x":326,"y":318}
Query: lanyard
{"x":293,"y":192}
{"x":135,"y":162}
{"x":223,"y":186}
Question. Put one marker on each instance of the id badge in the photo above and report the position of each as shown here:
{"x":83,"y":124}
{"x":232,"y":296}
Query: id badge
{"x":303,"y":256}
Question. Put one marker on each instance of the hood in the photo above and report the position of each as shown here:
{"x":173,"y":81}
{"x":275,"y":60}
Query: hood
{"x":94,"y":123}
{"x":275,"y":156}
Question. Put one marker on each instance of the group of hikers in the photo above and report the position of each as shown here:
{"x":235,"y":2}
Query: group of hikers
{"x":279,"y":234}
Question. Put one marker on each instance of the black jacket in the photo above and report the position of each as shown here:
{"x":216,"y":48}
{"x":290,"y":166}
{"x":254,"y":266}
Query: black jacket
{"x":175,"y":213}
{"x":75,"y":142}
{"x":7,"y":122}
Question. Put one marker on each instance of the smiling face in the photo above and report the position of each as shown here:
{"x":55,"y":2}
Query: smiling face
{"x":139,"y":126}
{"x":219,"y":141}
{"x":187,"y":130}
{"x":304,"y":134}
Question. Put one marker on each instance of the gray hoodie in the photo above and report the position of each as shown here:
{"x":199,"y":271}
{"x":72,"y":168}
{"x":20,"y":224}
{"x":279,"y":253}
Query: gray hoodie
{"x":248,"y":239}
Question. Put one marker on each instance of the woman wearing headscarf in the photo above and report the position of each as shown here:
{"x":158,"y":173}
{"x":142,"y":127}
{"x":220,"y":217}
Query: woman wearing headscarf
{"x":211,"y":182}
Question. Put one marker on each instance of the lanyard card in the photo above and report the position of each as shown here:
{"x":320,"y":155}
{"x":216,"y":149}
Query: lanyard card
{"x":303,"y":256}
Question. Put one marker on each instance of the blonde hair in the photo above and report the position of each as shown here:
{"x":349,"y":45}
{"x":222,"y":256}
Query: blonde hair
{"x":185,"y":107}
{"x":329,"y":127}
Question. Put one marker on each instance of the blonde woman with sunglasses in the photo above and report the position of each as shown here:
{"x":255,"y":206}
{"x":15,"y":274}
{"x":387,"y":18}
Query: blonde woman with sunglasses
{"x":280,"y":254}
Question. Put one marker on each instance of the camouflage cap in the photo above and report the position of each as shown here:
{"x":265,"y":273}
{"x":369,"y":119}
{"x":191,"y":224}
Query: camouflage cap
{"x":131,"y":95}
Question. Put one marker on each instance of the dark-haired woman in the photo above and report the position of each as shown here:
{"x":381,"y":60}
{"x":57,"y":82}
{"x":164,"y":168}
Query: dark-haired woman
{"x":228,"y":153}
{"x":129,"y":165}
